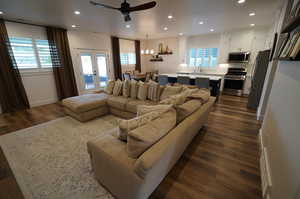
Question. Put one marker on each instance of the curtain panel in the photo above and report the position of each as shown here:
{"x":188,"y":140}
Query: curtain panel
{"x":116,"y":57}
{"x":62,"y":63}
{"x":12,"y":92}
{"x":138,"y":55}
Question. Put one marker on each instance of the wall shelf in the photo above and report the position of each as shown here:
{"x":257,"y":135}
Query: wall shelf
{"x":286,"y":59}
{"x":156,"y":60}
{"x":170,"y":53}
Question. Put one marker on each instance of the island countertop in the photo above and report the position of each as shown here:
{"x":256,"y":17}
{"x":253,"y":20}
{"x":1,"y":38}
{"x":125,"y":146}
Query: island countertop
{"x":193,"y":76}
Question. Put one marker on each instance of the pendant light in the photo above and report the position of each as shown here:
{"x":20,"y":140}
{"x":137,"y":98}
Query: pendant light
{"x":147,"y":51}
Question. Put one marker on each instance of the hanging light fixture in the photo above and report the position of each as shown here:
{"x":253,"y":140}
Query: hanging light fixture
{"x":146,"y":51}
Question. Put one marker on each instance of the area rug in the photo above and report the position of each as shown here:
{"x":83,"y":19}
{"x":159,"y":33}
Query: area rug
{"x":50,"y":161}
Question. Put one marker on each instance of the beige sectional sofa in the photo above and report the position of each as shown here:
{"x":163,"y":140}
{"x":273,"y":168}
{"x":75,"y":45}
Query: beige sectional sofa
{"x":136,"y":178}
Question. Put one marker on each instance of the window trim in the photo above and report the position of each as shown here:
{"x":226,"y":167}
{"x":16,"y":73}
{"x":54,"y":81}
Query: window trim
{"x":33,"y":69}
{"x":196,"y":57}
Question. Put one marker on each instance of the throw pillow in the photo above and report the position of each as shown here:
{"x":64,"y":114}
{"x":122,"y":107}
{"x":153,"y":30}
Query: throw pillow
{"x":169,"y":91}
{"x":142,"y":91}
{"x":110,"y":87}
{"x":126,"y":88}
{"x":186,"y":109}
{"x":142,"y":138}
{"x":127,"y":125}
{"x":133,"y":89}
{"x":153,"y":91}
{"x":201,"y":94}
{"x":144,"y":109}
{"x":118,"y":88}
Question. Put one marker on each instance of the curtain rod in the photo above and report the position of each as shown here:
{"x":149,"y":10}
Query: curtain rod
{"x":26,"y":23}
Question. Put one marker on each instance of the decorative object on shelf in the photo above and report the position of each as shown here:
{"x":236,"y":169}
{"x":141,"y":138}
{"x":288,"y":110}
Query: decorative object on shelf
{"x":288,"y":46}
{"x":146,"y":51}
{"x":292,"y":16}
{"x":164,"y":51}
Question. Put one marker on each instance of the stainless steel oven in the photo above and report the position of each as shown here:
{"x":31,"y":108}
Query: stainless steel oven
{"x":234,"y":81}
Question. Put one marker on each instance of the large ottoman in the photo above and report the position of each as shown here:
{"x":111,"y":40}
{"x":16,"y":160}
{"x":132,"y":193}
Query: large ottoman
{"x":86,"y":107}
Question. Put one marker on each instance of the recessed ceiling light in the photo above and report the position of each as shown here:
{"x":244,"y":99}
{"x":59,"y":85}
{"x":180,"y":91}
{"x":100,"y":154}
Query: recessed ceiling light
{"x":241,"y":1}
{"x":77,"y":12}
{"x":1,"y":13}
{"x":170,"y":17}
{"x":74,"y":26}
{"x":165,"y":28}
{"x":252,"y":24}
{"x":181,"y":34}
{"x":127,"y":26}
{"x":211,"y":30}
{"x":201,"y":22}
{"x":252,"y":14}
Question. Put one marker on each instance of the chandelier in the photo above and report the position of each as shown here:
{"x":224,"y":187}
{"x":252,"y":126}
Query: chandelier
{"x":147,"y":51}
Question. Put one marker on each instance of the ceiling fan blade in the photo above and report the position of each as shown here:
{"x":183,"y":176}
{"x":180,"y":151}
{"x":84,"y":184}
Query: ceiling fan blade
{"x":143,"y":6}
{"x":103,"y":5}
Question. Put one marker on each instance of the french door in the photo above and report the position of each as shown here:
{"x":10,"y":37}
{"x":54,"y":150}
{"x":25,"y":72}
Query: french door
{"x":94,"y":69}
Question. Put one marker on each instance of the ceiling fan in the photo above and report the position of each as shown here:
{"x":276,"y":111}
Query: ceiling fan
{"x":125,"y":8}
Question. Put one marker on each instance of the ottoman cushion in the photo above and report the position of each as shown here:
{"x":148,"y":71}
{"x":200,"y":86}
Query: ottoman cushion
{"x":86,"y":102}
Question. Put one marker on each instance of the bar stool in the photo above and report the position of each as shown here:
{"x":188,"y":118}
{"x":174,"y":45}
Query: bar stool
{"x":163,"y":80}
{"x":183,"y":80}
{"x":202,"y":82}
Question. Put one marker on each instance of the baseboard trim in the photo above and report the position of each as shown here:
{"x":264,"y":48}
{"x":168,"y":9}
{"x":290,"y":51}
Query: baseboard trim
{"x":43,"y":102}
{"x":266,"y":180}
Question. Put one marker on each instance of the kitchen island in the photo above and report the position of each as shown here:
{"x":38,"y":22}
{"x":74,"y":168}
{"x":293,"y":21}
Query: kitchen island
{"x":214,"y":81}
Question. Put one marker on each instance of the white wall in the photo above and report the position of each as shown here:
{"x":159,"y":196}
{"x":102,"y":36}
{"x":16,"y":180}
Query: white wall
{"x":280,"y":131}
{"x":251,"y":39}
{"x":87,"y":41}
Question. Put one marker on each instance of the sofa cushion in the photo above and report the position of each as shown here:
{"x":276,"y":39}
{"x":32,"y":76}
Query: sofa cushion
{"x":201,"y":94}
{"x":126,"y":88}
{"x":141,"y":138}
{"x":118,"y":102}
{"x":179,"y":99}
{"x":132,"y":105}
{"x":186,"y":109}
{"x":118,"y":88}
{"x":110,"y":87}
{"x":153,"y":91}
{"x":133,"y":89}
{"x":127,"y":125}
{"x":144,"y":109}
{"x":86,"y":102}
{"x":142,"y":91}
{"x":169,"y":91}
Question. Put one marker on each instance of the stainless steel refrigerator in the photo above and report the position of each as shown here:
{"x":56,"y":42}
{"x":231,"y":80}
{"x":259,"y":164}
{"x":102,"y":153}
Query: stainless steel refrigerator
{"x":258,"y":78}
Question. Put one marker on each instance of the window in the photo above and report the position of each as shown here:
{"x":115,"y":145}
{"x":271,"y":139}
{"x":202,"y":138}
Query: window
{"x":203,"y":57}
{"x":128,"y":58}
{"x":30,"y":53}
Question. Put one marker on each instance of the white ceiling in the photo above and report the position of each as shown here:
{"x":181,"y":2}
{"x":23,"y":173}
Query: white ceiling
{"x":220,"y":15}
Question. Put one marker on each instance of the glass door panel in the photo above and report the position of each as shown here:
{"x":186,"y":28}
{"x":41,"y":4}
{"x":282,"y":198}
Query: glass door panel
{"x":102,"y":69}
{"x":88,"y":71}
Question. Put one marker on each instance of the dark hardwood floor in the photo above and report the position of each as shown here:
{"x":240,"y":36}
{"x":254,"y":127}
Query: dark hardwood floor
{"x":221,"y":162}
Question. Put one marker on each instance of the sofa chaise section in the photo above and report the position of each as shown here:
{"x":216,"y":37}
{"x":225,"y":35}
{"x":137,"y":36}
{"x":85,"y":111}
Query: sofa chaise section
{"x":129,"y":178}
{"x":86,"y":107}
